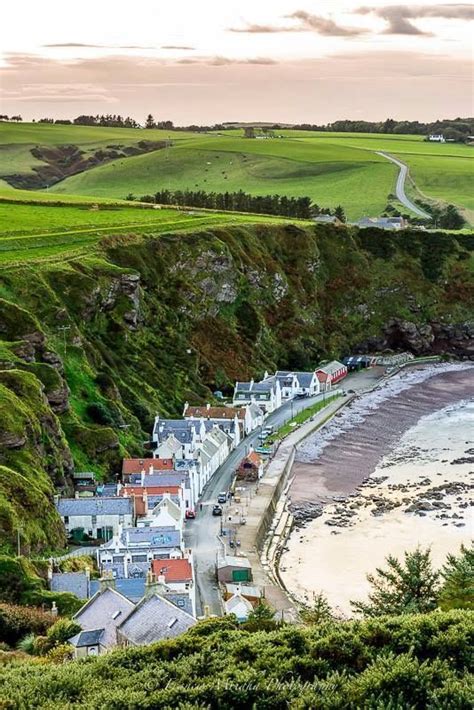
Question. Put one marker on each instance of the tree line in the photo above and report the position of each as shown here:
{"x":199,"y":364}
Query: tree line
{"x":458,"y":129}
{"x":281,"y":205}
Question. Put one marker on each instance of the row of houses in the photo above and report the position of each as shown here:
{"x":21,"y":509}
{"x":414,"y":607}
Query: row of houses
{"x":147,"y":587}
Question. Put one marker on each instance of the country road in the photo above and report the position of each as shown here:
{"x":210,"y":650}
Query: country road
{"x":400,"y":186}
{"x":201,"y":534}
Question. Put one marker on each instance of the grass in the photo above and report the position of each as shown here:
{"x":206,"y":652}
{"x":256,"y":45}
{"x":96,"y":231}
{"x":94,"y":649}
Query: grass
{"x":45,"y":231}
{"x":332,"y":180}
{"x":302,"y":417}
{"x":332,"y":168}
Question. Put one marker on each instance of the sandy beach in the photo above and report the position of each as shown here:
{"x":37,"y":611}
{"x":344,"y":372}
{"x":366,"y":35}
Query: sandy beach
{"x":393,"y":470}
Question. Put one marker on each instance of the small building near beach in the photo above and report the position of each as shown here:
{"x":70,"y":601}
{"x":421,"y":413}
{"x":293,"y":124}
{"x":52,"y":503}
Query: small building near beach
{"x":234,"y":569}
{"x":330,"y":374}
{"x":250,"y":468}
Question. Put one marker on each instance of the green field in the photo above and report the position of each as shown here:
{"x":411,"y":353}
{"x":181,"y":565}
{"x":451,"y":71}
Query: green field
{"x":45,"y":231}
{"x":332,"y":168}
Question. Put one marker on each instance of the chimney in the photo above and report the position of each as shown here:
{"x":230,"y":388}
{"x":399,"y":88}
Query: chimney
{"x":207,"y":611}
{"x":50,"y":570}
{"x":186,"y":407}
{"x":252,"y":382}
{"x":154,"y":585}
{"x":107,"y":581}
{"x":54,"y":609}
{"x":208,"y":406}
{"x":150,"y":470}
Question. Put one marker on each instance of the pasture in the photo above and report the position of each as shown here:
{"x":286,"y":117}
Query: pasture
{"x":331,"y":168}
{"x":45,"y":231}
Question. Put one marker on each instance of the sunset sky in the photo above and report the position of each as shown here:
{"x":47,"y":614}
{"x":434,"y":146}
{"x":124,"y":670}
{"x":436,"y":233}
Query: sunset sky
{"x":205,"y":62}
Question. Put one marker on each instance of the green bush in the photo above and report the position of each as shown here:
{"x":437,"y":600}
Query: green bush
{"x":388,"y":663}
{"x":17,"y":621}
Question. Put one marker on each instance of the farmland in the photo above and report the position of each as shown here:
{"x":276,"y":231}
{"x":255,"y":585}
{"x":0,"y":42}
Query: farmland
{"x":43,"y":231}
{"x":331,"y":168}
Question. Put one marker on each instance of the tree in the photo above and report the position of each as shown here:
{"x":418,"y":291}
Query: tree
{"x":249,"y":132}
{"x":407,"y":587}
{"x":150,"y":121}
{"x":319,"y":612}
{"x":451,"y":219}
{"x":261,"y":611}
{"x":457,"y":590}
{"x":340,"y":214}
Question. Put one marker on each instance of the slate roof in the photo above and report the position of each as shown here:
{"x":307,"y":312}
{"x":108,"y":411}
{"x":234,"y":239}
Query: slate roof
{"x":152,"y":537}
{"x":133,"y":588}
{"x":154,"y":619}
{"x":304,"y":378}
{"x":99,"y":613}
{"x":75,"y":582}
{"x":165,"y":479}
{"x":182,"y":429}
{"x":246,"y":590}
{"x":231,"y":561}
{"x":94,"y":506}
{"x":87,"y":638}
{"x":238,"y":605}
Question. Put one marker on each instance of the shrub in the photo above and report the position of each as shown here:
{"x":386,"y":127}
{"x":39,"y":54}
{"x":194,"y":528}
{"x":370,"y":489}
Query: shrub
{"x":18,"y":621}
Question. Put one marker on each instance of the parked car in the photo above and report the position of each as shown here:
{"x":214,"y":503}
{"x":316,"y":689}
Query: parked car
{"x":217,"y":510}
{"x":190,"y":514}
{"x":222,"y":497}
{"x":268,"y":429}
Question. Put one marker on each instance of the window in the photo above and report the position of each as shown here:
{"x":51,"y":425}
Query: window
{"x":93,"y":519}
{"x":121,"y":519}
{"x":66,"y":519}
{"x":139,"y":558}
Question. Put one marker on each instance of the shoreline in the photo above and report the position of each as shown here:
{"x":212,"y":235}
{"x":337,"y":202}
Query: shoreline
{"x":334,"y":463}
{"x":413,"y":490}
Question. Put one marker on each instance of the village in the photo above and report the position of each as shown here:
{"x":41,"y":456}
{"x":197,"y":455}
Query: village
{"x":145,"y":586}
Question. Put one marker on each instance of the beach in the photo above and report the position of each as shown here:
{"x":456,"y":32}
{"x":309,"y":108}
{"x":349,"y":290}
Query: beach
{"x":393,"y":470}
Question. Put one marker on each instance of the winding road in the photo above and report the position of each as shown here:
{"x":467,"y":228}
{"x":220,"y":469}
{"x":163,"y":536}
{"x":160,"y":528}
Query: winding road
{"x":400,"y":187}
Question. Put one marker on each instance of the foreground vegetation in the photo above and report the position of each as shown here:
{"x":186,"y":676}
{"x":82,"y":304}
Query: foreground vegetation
{"x":419,"y":661}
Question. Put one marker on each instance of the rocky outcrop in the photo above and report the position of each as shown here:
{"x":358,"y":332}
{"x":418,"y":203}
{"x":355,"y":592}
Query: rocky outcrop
{"x":432,"y":338}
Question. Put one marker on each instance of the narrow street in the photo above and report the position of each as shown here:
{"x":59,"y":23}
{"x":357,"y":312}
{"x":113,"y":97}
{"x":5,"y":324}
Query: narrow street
{"x":201,"y":534}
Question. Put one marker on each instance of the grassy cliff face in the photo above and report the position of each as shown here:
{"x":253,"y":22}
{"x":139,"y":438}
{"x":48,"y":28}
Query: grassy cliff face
{"x":93,"y":347}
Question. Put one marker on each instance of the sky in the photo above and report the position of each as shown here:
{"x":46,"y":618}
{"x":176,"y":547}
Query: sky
{"x":204,"y":62}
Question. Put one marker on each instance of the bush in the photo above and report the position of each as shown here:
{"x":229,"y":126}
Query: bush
{"x":17,"y":621}
{"x":100,"y":414}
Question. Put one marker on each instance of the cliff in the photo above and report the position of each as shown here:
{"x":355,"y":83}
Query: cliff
{"x":92,"y":348}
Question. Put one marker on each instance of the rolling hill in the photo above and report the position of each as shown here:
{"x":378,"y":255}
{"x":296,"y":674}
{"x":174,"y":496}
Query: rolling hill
{"x":332,"y":168}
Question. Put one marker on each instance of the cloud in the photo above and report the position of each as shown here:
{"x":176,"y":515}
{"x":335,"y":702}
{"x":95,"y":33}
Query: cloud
{"x":177,"y":46}
{"x":218,"y":61}
{"x":82,"y":45}
{"x":399,"y":16}
{"x":307,"y":23}
{"x":324,"y":26}
{"x":371,"y":84}
{"x":264,"y":29}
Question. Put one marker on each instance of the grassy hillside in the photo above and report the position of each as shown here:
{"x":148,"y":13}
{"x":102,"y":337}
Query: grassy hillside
{"x":330,"y":177}
{"x":414,"y":661}
{"x":94,"y":343}
{"x":331,"y":168}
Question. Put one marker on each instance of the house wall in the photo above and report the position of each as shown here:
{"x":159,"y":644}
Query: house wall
{"x":91,"y":525}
